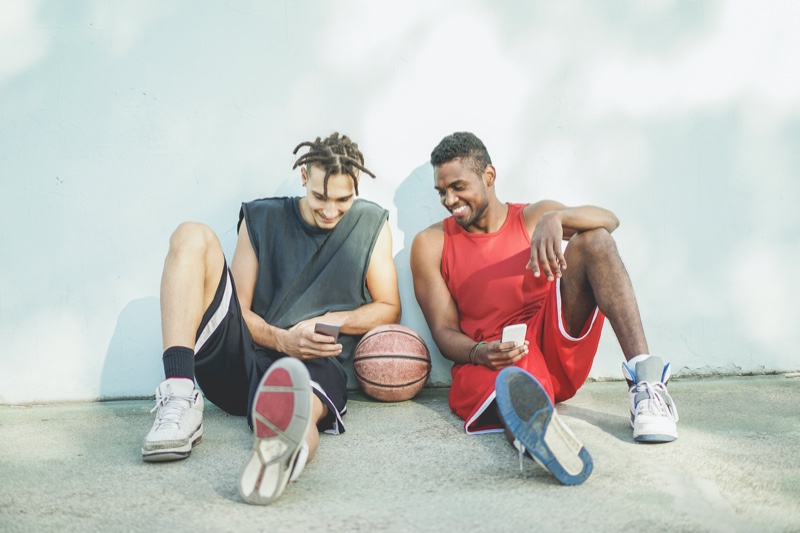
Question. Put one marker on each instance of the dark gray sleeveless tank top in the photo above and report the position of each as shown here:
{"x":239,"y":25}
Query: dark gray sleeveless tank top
{"x":285,"y":244}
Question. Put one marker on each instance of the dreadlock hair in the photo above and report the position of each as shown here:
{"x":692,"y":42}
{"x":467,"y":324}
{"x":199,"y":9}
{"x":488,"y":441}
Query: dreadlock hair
{"x":336,"y":155}
{"x":462,"y":145}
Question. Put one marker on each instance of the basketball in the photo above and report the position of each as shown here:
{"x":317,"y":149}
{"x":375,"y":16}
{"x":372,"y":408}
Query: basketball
{"x":392,"y":363}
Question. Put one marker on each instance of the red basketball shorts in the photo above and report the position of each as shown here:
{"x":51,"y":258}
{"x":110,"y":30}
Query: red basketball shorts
{"x":560,"y":362}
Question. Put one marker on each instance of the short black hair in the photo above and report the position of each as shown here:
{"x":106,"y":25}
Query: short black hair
{"x":461,"y":145}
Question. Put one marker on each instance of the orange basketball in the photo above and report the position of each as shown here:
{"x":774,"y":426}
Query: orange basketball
{"x":392,"y":363}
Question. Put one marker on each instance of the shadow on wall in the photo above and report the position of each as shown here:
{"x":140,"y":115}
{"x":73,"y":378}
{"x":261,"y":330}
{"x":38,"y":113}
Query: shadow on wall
{"x":132,"y":367}
{"x":417,"y":208}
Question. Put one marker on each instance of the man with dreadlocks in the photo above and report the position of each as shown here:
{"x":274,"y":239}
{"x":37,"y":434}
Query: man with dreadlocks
{"x":495,"y":264}
{"x":247,"y":333}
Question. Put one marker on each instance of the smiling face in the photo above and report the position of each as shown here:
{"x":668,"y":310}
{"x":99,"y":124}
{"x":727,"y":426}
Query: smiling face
{"x":325,"y":211}
{"x":463,"y":191}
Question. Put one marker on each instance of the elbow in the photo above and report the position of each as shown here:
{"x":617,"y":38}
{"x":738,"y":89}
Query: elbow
{"x":397,"y":313}
{"x":613,"y":223}
{"x":390,"y":313}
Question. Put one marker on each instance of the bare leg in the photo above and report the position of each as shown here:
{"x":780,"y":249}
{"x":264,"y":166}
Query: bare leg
{"x":318,"y":411}
{"x":596,"y":277}
{"x":191,"y":274}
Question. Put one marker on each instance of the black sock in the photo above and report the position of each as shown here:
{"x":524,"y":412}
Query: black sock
{"x":179,"y":362}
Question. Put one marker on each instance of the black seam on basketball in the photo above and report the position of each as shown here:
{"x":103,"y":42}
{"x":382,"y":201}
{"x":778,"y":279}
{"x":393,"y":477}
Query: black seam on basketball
{"x":394,"y":386}
{"x":413,"y":336}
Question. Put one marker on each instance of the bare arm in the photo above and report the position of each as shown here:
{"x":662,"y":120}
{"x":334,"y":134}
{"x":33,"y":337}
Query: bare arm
{"x":440,"y":309}
{"x":382,"y":285}
{"x":551,"y":222}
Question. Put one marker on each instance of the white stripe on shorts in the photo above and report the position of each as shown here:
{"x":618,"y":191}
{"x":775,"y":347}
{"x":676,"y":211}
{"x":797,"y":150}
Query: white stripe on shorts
{"x":219,"y":314}
{"x":338,"y":425}
{"x":478,"y":414}
{"x":561,"y":316}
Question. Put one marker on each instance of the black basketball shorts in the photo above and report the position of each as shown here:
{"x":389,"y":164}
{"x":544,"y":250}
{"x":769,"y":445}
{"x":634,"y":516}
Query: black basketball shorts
{"x":229,"y":365}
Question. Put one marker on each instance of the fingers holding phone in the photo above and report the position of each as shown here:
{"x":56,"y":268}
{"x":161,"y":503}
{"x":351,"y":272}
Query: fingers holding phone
{"x":305,"y":341}
{"x":508,"y":350}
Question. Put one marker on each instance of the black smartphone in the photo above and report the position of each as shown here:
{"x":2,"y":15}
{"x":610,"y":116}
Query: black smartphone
{"x":331,"y":330}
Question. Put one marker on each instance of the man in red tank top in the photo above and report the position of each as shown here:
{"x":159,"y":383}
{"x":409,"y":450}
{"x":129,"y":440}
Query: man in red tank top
{"x":494,"y":264}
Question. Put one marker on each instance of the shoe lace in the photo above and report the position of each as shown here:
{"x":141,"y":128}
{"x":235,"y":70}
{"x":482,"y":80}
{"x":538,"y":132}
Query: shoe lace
{"x":657,"y":404}
{"x":170,"y":408}
{"x":521,"y":449}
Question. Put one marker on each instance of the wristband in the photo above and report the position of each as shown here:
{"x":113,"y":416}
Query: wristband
{"x":472,"y":353}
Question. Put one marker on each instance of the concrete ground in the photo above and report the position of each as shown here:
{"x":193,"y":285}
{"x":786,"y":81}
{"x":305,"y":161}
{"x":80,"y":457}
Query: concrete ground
{"x":410,"y":467}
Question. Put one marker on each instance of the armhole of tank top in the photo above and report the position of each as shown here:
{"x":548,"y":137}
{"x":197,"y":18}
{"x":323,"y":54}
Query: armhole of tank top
{"x":444,"y":274}
{"x":381,"y":217}
{"x":246,"y":212}
{"x":521,"y":220}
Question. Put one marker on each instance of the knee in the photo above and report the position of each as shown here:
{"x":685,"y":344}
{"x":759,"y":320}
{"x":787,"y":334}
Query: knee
{"x":595,"y":243}
{"x":191,"y":237}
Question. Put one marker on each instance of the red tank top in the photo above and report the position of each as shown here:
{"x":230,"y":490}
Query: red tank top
{"x":487,"y":278}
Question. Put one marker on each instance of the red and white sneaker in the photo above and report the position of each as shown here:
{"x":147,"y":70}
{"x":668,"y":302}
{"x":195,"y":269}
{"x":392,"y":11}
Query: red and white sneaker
{"x":281,"y":419}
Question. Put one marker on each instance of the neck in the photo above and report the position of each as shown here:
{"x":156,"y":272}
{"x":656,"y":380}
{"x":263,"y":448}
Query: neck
{"x":305,"y":212}
{"x":492,"y":219}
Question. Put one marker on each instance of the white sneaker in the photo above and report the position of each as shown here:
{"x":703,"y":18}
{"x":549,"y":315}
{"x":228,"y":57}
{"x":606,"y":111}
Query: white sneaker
{"x":179,"y":421}
{"x":281,"y":418}
{"x":654,"y":415}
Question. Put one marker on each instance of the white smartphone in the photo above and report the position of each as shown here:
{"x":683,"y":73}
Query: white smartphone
{"x":331,"y":330}
{"x":516,"y":333}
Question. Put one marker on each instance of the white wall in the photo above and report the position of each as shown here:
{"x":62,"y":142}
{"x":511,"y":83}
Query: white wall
{"x":120,"y":119}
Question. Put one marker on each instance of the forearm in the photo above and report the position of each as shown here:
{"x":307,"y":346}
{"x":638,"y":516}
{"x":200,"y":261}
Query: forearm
{"x":586,"y":218}
{"x":454,"y":344}
{"x":263,"y":334}
{"x":364,"y":318}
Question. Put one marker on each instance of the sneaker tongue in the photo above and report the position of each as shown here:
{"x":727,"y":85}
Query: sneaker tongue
{"x":180,"y":386}
{"x":650,"y":370}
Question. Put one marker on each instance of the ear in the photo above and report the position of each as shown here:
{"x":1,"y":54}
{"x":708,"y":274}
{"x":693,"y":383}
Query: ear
{"x":489,"y":175}
{"x":304,"y":175}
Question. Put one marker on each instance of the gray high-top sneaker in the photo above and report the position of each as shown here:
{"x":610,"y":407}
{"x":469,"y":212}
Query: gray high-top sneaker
{"x":653,"y":413}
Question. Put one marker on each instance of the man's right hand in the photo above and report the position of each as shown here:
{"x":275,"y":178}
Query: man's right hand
{"x":301,"y":342}
{"x":498,"y":355}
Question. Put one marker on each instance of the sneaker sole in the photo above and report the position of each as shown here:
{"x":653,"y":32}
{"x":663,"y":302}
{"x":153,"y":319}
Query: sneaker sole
{"x":654,"y":438}
{"x":655,"y":433}
{"x":174,"y":453}
{"x":529,"y":414}
{"x":281,"y":418}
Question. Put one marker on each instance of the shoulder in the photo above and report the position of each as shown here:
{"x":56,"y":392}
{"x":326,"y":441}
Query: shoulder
{"x":263,"y":207}
{"x":367,"y":207}
{"x":427,"y":252}
{"x":268,"y":204}
{"x":258,"y":212}
{"x":429,"y":239}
